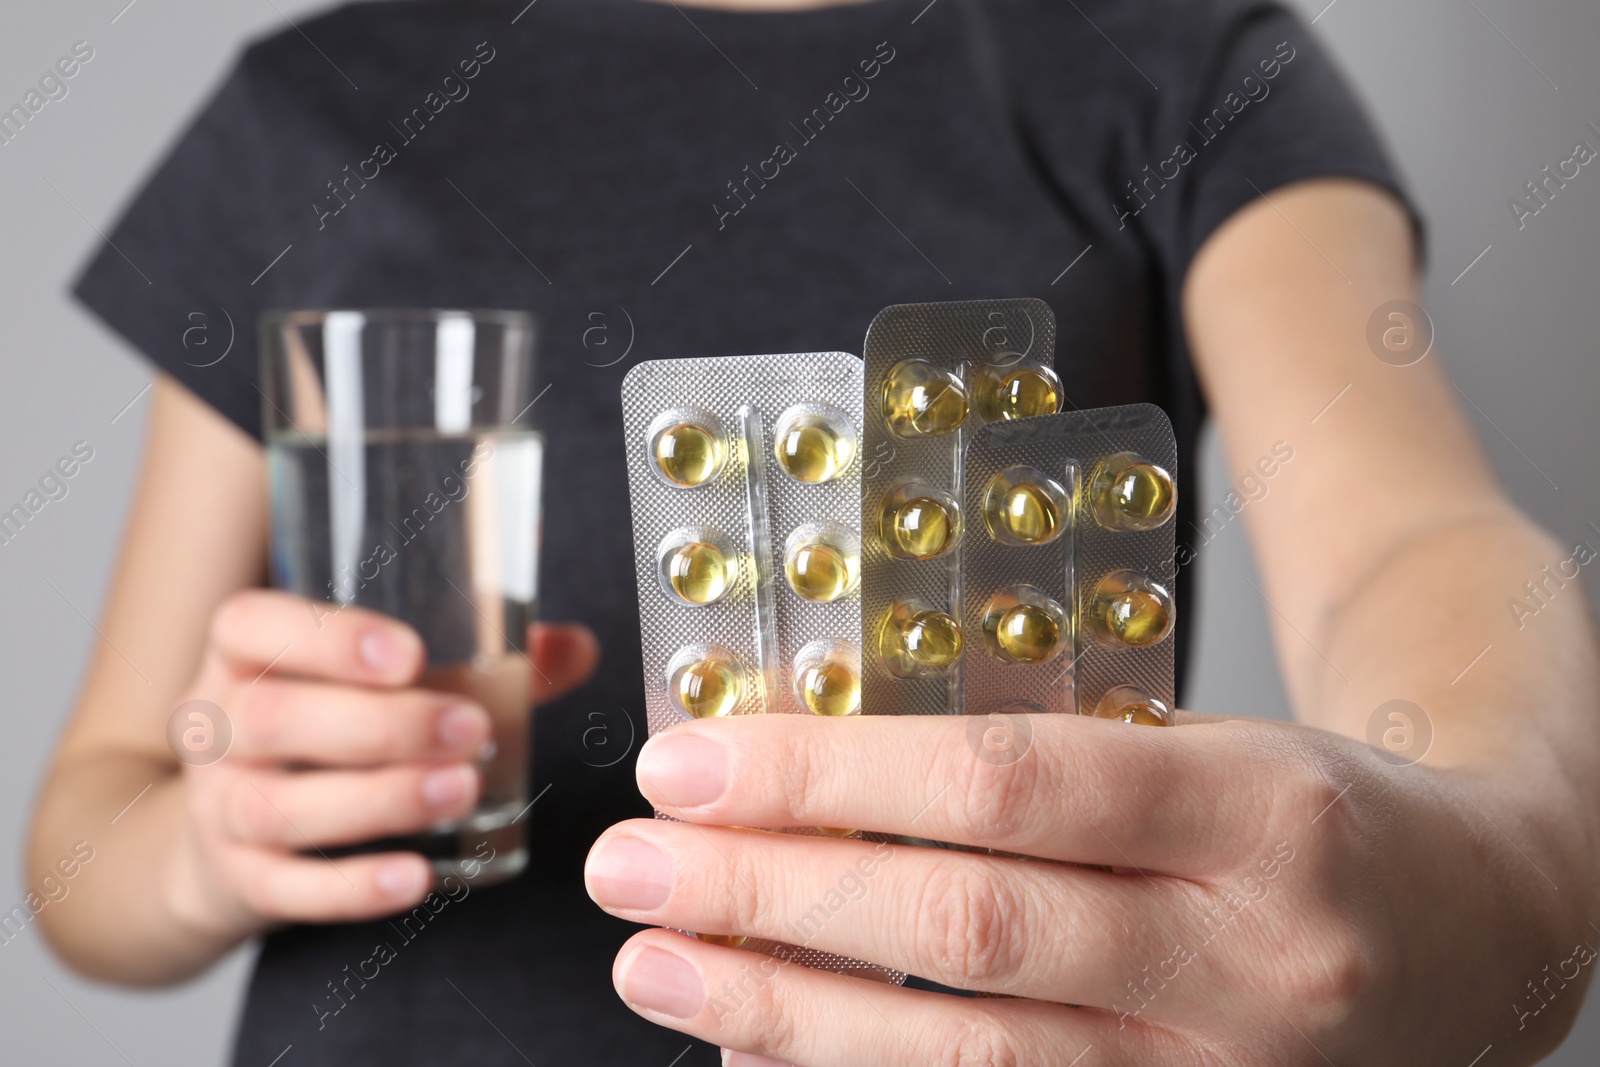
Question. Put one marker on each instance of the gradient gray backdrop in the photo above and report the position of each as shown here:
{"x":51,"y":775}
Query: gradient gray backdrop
{"x":1475,"y":96}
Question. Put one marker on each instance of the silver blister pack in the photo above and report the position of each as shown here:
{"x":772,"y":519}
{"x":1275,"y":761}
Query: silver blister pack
{"x":1067,"y":563}
{"x":744,"y":478}
{"x":719,"y":521}
{"x":933,"y":374}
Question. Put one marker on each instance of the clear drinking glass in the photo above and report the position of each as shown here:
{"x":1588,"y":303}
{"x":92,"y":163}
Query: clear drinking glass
{"x":405,"y":478}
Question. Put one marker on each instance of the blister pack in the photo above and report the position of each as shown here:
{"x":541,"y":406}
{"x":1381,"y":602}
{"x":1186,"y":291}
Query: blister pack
{"x":934,"y":374}
{"x":745,"y":483}
{"x":1067,"y":565}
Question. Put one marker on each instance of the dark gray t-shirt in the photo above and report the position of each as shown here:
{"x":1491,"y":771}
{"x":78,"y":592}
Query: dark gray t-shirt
{"x":653,"y":183}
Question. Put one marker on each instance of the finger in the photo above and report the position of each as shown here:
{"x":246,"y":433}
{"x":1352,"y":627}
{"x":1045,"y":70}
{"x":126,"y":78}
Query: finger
{"x":258,"y":629}
{"x":280,"y":719}
{"x":564,"y":655}
{"x":288,"y":888}
{"x":1039,"y":930}
{"x":1070,"y":787}
{"x":309,"y":809}
{"x":762,"y":1006}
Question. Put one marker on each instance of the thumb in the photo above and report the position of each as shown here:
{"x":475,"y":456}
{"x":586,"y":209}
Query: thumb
{"x":564,"y":655}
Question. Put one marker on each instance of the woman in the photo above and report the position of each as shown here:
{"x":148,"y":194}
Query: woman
{"x":1192,"y":188}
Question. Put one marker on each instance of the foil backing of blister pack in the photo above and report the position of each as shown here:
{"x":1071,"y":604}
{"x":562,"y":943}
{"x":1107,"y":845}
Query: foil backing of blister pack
{"x":756,"y":504}
{"x":966,"y":338}
{"x":1068,"y":448}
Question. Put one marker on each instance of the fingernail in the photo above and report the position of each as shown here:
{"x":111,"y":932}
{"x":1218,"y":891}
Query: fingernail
{"x":402,"y":879}
{"x":386,"y":651}
{"x":464,"y":727}
{"x":657,"y":980}
{"x":626,"y":872}
{"x":446,"y":787}
{"x":731,"y":1058}
{"x":685,"y":771}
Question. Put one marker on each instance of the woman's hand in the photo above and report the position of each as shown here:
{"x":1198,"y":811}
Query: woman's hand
{"x":1280,"y":895}
{"x":332,"y":744}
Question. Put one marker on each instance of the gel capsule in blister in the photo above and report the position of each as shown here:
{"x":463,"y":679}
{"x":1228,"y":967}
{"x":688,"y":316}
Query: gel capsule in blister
{"x":1127,"y":608}
{"x":1133,"y":705}
{"x":827,"y":677}
{"x":696,"y":565}
{"x":915,"y":639}
{"x":1131,"y":493}
{"x":705,"y":681}
{"x":917,"y":521}
{"x":688,"y":447}
{"x":1018,"y":391}
{"x":1023,"y":625}
{"x":922,"y":400}
{"x":1025,"y":506}
{"x":822,"y":561}
{"x":814,"y":442}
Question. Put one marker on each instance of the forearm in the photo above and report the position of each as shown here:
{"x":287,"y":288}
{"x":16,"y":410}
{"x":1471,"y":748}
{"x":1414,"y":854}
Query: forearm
{"x":1436,"y":623}
{"x":1387,"y":551}
{"x":1506,"y":696}
{"x":133,"y":913}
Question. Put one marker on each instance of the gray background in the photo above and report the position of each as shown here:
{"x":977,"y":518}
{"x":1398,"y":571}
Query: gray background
{"x":1470,"y":115}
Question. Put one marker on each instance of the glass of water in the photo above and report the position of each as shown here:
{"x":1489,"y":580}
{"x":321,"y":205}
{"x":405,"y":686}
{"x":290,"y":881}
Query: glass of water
{"x":405,"y":478}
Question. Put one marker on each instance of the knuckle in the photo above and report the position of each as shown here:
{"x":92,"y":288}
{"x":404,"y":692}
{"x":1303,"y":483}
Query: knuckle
{"x":991,"y":799}
{"x":233,"y":616}
{"x":800,"y":784}
{"x":273,"y":894}
{"x":1319,"y":785}
{"x":1316,"y":795}
{"x":251,"y":816}
{"x":770,"y":1020}
{"x":266,"y":714}
{"x":1335,"y":975}
{"x":259,"y":895}
{"x":964,"y":926}
{"x":376,"y":802}
{"x":967,"y":1043}
{"x":378,"y":726}
{"x":750,"y":907}
{"x":746,"y":907}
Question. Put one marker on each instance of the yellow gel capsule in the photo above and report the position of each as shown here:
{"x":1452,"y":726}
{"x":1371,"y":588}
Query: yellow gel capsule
{"x":1025,"y":392}
{"x":1130,"y":494}
{"x":1029,"y":515}
{"x":1132,"y":706}
{"x":830,"y":688}
{"x":688,"y":455}
{"x":920,"y":400}
{"x":1136,"y":617}
{"x":834,"y":831}
{"x":708,"y":689}
{"x":698,"y":572}
{"x":1028,"y":633}
{"x":922,"y":527}
{"x":932,"y":639}
{"x":725,"y":940}
{"x":813,"y":450}
{"x":819,"y":572}
{"x":1142,"y":715}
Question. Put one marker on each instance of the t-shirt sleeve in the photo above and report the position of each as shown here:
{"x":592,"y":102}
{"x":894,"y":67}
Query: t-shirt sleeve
{"x":1265,"y":107}
{"x":175,"y":277}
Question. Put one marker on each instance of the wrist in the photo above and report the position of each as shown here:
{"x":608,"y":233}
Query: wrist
{"x":1547,"y":821}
